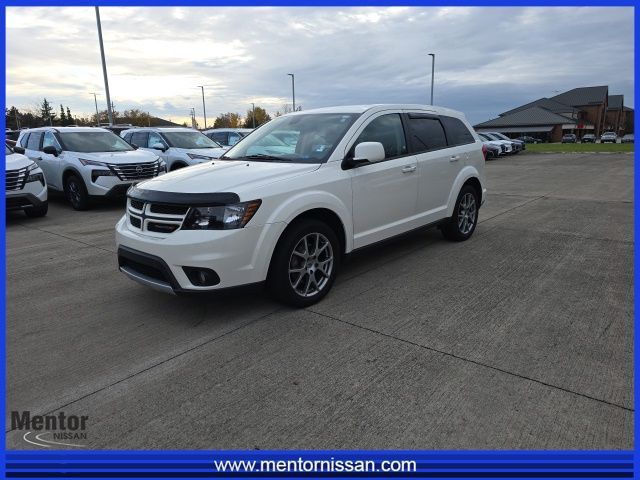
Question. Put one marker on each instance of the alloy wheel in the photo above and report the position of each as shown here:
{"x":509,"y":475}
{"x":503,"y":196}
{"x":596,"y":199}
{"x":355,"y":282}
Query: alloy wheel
{"x":311,"y":264}
{"x":467,"y":213}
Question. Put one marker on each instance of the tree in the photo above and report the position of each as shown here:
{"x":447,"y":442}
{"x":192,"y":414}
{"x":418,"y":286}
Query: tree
{"x":46,"y":112}
{"x":12,"y":117}
{"x":70,"y":119}
{"x":228,"y":120}
{"x":261,"y":117}
{"x":63,"y":116}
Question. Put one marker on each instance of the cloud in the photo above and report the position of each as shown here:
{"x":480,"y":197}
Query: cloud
{"x":487,"y":59}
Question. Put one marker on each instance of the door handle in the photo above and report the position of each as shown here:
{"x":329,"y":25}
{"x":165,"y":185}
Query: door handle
{"x":408,"y":168}
{"x":454,"y":158}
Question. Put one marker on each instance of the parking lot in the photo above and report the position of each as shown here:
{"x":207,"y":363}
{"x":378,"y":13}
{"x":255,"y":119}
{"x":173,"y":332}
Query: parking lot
{"x":521,"y":337}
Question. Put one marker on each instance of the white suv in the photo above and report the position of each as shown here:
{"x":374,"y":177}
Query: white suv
{"x":177,"y":146}
{"x":355,"y":176}
{"x":26,"y":188}
{"x":86,"y":162}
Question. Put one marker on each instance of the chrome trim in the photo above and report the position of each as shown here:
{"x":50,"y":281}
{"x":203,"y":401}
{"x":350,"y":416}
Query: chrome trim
{"x":147,"y":281}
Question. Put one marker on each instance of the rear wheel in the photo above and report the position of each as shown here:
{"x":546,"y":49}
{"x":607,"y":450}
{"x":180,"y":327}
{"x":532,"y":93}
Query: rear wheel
{"x":76,"y":192}
{"x":304,"y":264}
{"x":461,"y":225}
{"x":39,"y":211}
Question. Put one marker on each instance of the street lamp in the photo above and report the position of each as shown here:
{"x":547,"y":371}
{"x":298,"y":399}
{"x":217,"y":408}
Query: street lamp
{"x":293,"y":89}
{"x":104,"y":67}
{"x":95,"y":99}
{"x":204,"y":109}
{"x":433,"y":67}
{"x":253,"y":114}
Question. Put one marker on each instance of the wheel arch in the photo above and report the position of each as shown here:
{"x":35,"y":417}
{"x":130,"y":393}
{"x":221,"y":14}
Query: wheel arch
{"x":467,"y":176}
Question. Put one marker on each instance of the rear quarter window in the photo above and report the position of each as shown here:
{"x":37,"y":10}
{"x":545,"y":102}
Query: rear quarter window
{"x":457,"y":131}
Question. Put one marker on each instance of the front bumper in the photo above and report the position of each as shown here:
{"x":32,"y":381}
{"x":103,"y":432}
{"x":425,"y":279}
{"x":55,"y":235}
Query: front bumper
{"x":238,"y":257}
{"x":34,"y":194}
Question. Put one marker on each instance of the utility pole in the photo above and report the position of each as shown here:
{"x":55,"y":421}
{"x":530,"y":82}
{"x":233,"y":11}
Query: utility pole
{"x":293,"y":89}
{"x":149,"y":118}
{"x":433,"y":67}
{"x":15,"y":112}
{"x":204,"y":109}
{"x":104,"y":67}
{"x":95,"y":99}
{"x":253,"y":109}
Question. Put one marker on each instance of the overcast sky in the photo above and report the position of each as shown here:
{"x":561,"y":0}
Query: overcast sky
{"x":488,"y":60}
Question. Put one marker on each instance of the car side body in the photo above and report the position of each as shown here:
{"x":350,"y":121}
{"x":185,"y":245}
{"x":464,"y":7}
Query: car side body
{"x":25,"y":185}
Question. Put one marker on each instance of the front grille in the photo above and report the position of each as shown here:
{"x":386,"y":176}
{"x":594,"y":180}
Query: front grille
{"x":136,"y":171}
{"x":15,"y":179}
{"x":158,"y":218}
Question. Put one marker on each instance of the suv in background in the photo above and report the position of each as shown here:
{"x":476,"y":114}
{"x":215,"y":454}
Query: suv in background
{"x":25,"y":186}
{"x":609,"y":137}
{"x":86,"y":162}
{"x":356,"y":175}
{"x":569,"y":138}
{"x":227,"y":137}
{"x":528,"y":139}
{"x":588,"y":138}
{"x":178,"y":146}
{"x":520,"y":144}
{"x":507,"y":147}
{"x":628,"y":138}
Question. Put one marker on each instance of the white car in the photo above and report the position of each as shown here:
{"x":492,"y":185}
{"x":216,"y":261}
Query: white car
{"x":26,"y":188}
{"x":355,"y":176}
{"x":507,"y":147}
{"x":86,"y":162}
{"x":178,"y":146}
{"x":227,"y":137}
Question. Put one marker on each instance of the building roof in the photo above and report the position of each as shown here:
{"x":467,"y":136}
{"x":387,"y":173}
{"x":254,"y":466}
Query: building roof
{"x":544,"y":102}
{"x":628,"y":109}
{"x":583,"y":96}
{"x":615,"y":102}
{"x":529,"y":117}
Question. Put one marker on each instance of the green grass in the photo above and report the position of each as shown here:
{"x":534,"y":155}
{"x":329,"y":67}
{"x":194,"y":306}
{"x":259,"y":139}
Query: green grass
{"x":578,"y":147}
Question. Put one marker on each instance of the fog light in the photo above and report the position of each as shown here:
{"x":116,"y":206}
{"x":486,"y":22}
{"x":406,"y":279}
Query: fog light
{"x":201,"y":277}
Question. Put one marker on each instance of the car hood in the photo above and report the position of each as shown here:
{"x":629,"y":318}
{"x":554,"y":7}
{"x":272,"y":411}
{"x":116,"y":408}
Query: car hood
{"x":129,"y":156}
{"x":16,"y":161}
{"x":226,"y":176}
{"x":205,"y":152}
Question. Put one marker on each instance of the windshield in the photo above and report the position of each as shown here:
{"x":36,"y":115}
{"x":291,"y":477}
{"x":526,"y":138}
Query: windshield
{"x":90,"y":142}
{"x":189,"y":140}
{"x":305,"y":138}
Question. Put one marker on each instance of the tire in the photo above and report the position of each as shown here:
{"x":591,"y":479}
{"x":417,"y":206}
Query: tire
{"x":177,"y":166}
{"x":467,"y":207}
{"x":76,"y":192}
{"x":39,"y":211}
{"x":298,"y":275}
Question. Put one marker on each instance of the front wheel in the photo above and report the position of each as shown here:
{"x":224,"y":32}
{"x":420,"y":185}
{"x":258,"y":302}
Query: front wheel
{"x":461,"y":225}
{"x":76,"y":192}
{"x":304,"y":264}
{"x":39,"y":211}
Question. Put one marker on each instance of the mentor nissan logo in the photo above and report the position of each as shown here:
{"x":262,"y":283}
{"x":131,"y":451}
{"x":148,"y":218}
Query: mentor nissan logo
{"x":51,"y":430}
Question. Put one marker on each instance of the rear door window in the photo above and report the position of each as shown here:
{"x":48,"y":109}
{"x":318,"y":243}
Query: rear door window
{"x":34,"y":141}
{"x":457,"y":132}
{"x":427,"y":134}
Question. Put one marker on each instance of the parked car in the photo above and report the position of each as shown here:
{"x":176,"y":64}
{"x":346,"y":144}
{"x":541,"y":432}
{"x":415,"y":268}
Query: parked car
{"x":118,"y":128}
{"x":227,"y":137}
{"x":25,"y":185}
{"x":628,"y":138}
{"x":569,"y":138}
{"x":609,"y":137}
{"x":588,"y":138}
{"x":507,"y":147}
{"x":520,"y":144}
{"x":178,"y":146}
{"x":357,"y":175}
{"x":86,"y":162}
{"x":493,"y":151}
{"x":515,"y":147}
{"x":527,"y":139}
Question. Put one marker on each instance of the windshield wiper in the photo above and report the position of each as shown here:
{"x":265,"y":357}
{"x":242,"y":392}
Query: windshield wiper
{"x":262,"y":156}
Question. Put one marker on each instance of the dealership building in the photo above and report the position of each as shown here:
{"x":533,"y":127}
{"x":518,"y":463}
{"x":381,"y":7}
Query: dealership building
{"x":580,"y":110}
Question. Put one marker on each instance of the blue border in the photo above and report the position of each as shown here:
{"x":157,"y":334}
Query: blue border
{"x":431,"y":464}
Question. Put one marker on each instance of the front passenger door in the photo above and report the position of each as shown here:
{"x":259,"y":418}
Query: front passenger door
{"x":385,"y":192}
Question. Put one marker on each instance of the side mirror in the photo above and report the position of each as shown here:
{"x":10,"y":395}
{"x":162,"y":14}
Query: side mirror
{"x":365,"y":152}
{"x":51,"y":150}
{"x":18,"y":150}
{"x":158,"y":146}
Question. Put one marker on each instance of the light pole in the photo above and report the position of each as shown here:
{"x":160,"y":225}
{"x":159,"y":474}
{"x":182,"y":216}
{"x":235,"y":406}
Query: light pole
{"x":433,"y":67}
{"x":95,"y":99}
{"x":293,"y":89}
{"x":253,"y":114}
{"x":204,"y":109}
{"x":104,"y":67}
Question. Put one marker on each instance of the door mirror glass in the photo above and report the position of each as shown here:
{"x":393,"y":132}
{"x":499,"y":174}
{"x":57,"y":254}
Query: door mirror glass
{"x":371,"y":152}
{"x":158,"y":146}
{"x":50,"y":150}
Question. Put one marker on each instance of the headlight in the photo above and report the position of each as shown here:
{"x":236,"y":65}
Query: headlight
{"x":194,"y":156}
{"x":224,"y":217}
{"x":86,"y":162}
{"x":32,"y":167}
{"x":162,"y":165}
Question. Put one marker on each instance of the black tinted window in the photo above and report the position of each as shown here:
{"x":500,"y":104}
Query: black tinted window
{"x":139,"y":139}
{"x":457,"y":132}
{"x":427,"y":134}
{"x":220,"y":137}
{"x":34,"y":141}
{"x":386,"y":129}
